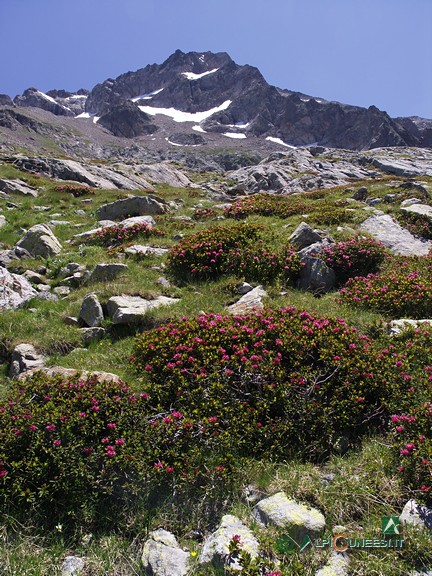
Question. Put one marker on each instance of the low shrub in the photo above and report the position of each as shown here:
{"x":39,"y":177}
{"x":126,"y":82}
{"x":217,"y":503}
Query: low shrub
{"x":82,"y":450}
{"x":115,"y":236}
{"x":266,"y":205}
{"x":412,"y":440}
{"x":278,"y":382}
{"x":202,"y":214}
{"x":74,"y":189}
{"x":236,"y":249}
{"x":358,"y":256}
{"x":417,"y":224}
{"x":402,"y":289}
{"x":331,"y":216}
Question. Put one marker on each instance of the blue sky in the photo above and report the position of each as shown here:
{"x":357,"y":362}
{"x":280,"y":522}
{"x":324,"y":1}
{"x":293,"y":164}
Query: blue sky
{"x":360,"y":52}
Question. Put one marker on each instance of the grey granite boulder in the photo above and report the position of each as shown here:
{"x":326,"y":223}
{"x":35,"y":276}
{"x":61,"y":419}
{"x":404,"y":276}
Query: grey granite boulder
{"x":25,"y":357}
{"x":316,"y":276}
{"x":89,"y":335}
{"x":142,"y":250}
{"x":215,"y":549}
{"x":91,"y":313}
{"x":134,"y":206}
{"x":14,"y":290}
{"x":303,"y":236}
{"x":131,"y":309}
{"x":162,"y":555}
{"x":396,"y":238}
{"x":297,"y":519}
{"x":40,"y":241}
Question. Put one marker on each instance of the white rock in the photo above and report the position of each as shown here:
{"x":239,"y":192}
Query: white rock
{"x":252,"y":300}
{"x":131,"y":309}
{"x":40,"y":241}
{"x":162,"y":556}
{"x":416,"y":515}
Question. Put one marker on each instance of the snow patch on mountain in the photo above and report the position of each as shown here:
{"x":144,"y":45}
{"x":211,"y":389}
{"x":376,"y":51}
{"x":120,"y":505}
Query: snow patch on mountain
{"x":199,"y":129}
{"x":279,"y":141}
{"x":234,"y":135}
{"x":192,"y":76}
{"x":146,"y":96}
{"x":180,"y":116}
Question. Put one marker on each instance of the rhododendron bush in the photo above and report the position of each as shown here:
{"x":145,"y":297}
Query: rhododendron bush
{"x":266,"y":205}
{"x":278,"y":382}
{"x":402,"y":289}
{"x":236,"y":249}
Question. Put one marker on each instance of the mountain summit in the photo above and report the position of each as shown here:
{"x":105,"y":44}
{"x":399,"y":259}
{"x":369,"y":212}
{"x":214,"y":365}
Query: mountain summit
{"x":209,"y":93}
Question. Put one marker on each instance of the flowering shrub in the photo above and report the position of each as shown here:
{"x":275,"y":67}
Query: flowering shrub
{"x":412,"y":433}
{"x":70,"y":446}
{"x":402,"y":290}
{"x":266,"y":205}
{"x":417,"y":224}
{"x":356,"y":257}
{"x":116,"y":235}
{"x":201,"y":214}
{"x":332,"y":215}
{"x":74,"y":189}
{"x":230,"y":249}
{"x":281,"y":381}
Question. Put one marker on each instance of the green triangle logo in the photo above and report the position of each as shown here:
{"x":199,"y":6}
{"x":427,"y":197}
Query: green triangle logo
{"x":306,"y":542}
{"x":390,"y":525}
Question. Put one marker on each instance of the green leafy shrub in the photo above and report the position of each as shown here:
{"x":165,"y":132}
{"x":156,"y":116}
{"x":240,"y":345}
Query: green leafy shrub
{"x":402,"y":289}
{"x":236,"y":249}
{"x":74,"y":189}
{"x":332,"y":215}
{"x":266,"y":205}
{"x":82,"y":448}
{"x":358,"y":256}
{"x":278,"y":382}
{"x":201,"y":214}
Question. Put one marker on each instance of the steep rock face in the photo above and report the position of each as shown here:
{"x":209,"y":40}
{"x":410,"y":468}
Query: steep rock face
{"x":6,"y":100}
{"x":198,"y":82}
{"x":126,"y":120}
{"x":35,"y":98}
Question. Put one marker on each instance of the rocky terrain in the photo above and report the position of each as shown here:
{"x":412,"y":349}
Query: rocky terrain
{"x":215,"y":351}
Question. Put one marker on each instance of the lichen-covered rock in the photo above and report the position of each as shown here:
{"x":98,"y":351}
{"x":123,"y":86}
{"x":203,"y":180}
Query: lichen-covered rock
{"x":215,"y":549}
{"x":72,"y":566}
{"x":297,"y":519}
{"x":39,"y":240}
{"x":162,"y":555}
{"x":84,"y":375}
{"x":384,"y":229}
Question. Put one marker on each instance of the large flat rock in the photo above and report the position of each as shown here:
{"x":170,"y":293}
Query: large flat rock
{"x":397,"y":239}
{"x":126,"y":309}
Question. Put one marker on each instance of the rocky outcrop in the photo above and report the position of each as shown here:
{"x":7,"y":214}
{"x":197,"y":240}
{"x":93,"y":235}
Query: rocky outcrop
{"x":106,"y":272}
{"x":40,"y":241}
{"x":396,"y":238}
{"x":6,"y":100}
{"x":17,"y":187}
{"x":96,"y":176}
{"x":84,"y":375}
{"x":14,"y":290}
{"x":163,"y":173}
{"x":37,"y":99}
{"x":134,"y":206}
{"x":126,"y":120}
